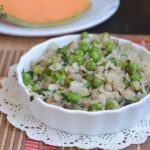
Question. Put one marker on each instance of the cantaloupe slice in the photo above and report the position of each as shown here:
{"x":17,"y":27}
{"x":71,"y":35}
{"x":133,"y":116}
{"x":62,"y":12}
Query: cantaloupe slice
{"x":42,"y":13}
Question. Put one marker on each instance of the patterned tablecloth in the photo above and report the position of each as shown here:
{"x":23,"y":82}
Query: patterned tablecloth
{"x":11,"y":48}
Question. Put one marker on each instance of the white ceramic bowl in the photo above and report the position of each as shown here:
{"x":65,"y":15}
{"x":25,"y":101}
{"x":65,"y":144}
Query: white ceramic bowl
{"x":80,"y":122}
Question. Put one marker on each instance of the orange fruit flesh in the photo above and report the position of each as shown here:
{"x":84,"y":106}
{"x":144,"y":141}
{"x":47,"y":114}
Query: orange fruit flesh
{"x":41,"y":11}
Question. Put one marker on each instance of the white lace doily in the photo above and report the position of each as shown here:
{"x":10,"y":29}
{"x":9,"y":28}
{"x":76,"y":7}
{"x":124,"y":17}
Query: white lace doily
{"x":20,"y":117}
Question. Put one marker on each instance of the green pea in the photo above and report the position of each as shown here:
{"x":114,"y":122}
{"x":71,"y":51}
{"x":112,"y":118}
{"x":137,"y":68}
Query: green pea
{"x":78,"y":59}
{"x":26,"y":76}
{"x":70,"y":58}
{"x":90,"y":66}
{"x":36,"y":69}
{"x":94,"y":49}
{"x":108,"y":47}
{"x":79,"y":53}
{"x":31,"y":83}
{"x":96,"y":56}
{"x":121,"y":66}
{"x":84,"y":35}
{"x":63,"y":50}
{"x":113,"y":60}
{"x":54,"y":60}
{"x":74,"y":97}
{"x":67,"y":82}
{"x":57,"y":77}
{"x":110,"y":105}
{"x":96,"y":82}
{"x":97,"y":107}
{"x":84,"y":47}
{"x":78,"y":108}
{"x":34,"y":88}
{"x":125,"y":81}
{"x":26,"y":82}
{"x":105,"y":34}
{"x":89,"y":78}
{"x":94,"y":42}
{"x":135,"y":77}
{"x":133,"y":68}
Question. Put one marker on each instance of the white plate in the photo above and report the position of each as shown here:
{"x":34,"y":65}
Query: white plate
{"x":101,"y":10}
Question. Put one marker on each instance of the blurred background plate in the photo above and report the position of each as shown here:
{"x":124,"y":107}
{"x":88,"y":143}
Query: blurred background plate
{"x":101,"y":10}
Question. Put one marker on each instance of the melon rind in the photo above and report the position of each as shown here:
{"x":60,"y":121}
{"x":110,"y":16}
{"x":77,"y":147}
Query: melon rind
{"x":21,"y":22}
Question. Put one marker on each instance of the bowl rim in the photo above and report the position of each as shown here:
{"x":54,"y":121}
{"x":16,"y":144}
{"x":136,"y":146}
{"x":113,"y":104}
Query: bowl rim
{"x":70,"y":111}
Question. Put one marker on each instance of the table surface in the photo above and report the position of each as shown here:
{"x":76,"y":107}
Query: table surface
{"x":11,"y":138}
{"x":133,"y":17}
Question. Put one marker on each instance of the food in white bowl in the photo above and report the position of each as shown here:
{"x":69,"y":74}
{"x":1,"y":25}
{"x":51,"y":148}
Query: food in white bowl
{"x":84,"y":73}
{"x":93,"y":74}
